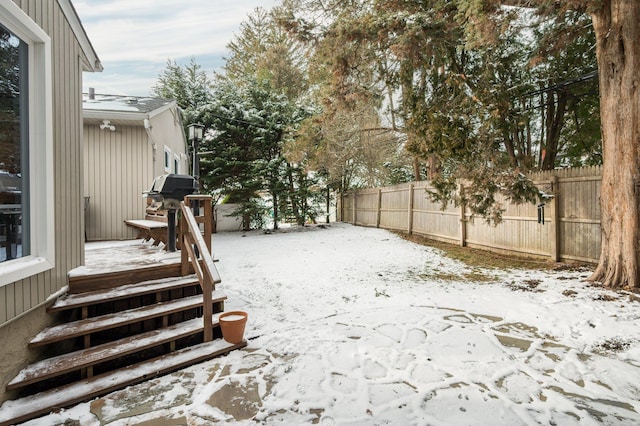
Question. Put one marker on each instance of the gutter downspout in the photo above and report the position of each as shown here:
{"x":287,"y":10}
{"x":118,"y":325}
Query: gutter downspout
{"x":154,"y":145}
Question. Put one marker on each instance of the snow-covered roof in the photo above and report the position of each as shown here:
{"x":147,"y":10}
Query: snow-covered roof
{"x":123,"y":107}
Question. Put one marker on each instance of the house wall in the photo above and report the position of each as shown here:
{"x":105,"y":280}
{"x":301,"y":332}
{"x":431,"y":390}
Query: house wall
{"x":166,"y":131}
{"x":23,"y":300}
{"x":119,"y":167}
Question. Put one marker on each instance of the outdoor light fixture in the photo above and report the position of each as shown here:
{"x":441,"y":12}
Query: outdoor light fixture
{"x":195,"y":131}
{"x":106,"y":124}
{"x":195,"y":136}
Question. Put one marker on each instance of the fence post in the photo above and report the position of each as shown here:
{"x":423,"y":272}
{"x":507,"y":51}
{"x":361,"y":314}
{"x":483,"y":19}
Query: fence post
{"x":463,"y":219}
{"x":554,"y":229}
{"x":379,"y":208}
{"x":355,"y":198}
{"x":410,"y":210}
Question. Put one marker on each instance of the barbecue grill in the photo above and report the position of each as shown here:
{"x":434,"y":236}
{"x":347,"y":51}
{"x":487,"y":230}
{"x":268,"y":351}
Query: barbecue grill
{"x":171,"y":189}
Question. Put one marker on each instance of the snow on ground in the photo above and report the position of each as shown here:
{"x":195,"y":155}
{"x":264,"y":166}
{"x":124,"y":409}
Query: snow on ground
{"x":355,"y":326}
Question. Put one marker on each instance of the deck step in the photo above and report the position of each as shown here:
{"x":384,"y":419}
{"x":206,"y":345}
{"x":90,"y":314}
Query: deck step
{"x":73,"y":361}
{"x":81,"y":283}
{"x":33,"y":406}
{"x":79,"y":300}
{"x":105,"y":322}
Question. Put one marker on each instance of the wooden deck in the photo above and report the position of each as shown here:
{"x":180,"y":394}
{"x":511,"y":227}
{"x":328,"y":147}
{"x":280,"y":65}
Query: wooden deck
{"x":121,"y":263}
{"x":131,"y":313}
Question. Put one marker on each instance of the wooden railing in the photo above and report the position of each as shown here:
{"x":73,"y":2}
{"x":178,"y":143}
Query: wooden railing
{"x":196,"y":252}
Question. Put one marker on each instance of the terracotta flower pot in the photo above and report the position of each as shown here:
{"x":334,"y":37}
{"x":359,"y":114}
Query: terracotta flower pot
{"x":232,"y":324}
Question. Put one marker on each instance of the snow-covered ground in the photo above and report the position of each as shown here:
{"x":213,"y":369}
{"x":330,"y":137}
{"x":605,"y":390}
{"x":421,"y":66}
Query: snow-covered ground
{"x":355,"y":326}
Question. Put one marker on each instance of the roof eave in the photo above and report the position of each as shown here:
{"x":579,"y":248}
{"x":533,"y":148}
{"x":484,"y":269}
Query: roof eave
{"x":162,"y":109}
{"x":90,"y":60}
{"x":114,"y":115}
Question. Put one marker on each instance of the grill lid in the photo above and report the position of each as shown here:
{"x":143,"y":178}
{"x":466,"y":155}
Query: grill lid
{"x":172,"y":187}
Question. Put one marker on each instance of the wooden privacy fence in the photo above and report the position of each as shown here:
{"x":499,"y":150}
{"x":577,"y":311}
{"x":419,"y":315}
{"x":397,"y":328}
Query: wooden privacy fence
{"x":570,"y":230}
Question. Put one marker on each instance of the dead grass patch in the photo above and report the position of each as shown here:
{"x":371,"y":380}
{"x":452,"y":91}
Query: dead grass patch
{"x":606,"y":297}
{"x":611,"y":346}
{"x":526,"y":285}
{"x":481,"y":258}
{"x":473,"y":276}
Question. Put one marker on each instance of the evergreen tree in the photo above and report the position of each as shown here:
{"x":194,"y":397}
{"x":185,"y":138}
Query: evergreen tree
{"x":188,"y":85}
{"x":265,"y":58}
{"x":247,"y":125}
{"x":457,"y":86}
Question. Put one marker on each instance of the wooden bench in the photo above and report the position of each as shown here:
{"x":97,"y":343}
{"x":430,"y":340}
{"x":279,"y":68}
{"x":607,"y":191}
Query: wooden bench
{"x":150,"y":230}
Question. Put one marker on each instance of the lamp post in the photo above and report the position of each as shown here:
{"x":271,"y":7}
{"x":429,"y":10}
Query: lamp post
{"x":195,"y":136}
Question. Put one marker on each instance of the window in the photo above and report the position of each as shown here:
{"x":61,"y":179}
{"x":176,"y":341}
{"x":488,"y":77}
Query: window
{"x":26,"y":147}
{"x":176,"y":164}
{"x":14,"y":147}
{"x":167,"y":160}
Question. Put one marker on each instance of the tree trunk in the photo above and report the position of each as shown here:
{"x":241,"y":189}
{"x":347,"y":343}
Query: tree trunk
{"x":417,"y":176}
{"x":293,"y":195}
{"x":617,"y":28}
{"x":274,"y":195}
{"x":556,"y":108}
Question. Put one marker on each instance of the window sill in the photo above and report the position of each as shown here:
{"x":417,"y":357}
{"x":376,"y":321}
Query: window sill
{"x":18,"y":269}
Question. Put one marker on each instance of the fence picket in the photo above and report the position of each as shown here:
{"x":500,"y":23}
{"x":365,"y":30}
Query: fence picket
{"x":571,"y":229}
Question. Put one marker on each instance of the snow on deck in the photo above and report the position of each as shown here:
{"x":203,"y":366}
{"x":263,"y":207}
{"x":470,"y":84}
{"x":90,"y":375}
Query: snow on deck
{"x":113,"y":256}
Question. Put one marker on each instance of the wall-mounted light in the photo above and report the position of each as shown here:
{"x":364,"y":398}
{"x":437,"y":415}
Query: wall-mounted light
{"x":106,"y":124}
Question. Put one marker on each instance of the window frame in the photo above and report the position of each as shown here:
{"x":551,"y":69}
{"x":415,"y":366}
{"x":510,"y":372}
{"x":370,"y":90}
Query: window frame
{"x":177,"y":167}
{"x":167,"y":159}
{"x":40,"y":153}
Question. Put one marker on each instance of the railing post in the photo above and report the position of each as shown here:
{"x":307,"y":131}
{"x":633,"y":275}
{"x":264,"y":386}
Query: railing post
{"x":184,"y":255}
{"x":207,"y":309}
{"x":208,"y":223}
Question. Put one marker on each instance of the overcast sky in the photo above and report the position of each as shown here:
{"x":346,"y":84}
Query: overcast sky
{"x":134,"y":39}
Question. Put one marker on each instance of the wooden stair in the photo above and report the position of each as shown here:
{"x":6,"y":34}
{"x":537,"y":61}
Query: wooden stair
{"x":89,"y":326}
{"x":42,"y":403}
{"x":113,"y":338}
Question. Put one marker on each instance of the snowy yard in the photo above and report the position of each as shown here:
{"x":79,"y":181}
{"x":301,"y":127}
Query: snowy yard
{"x":354,"y":326}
